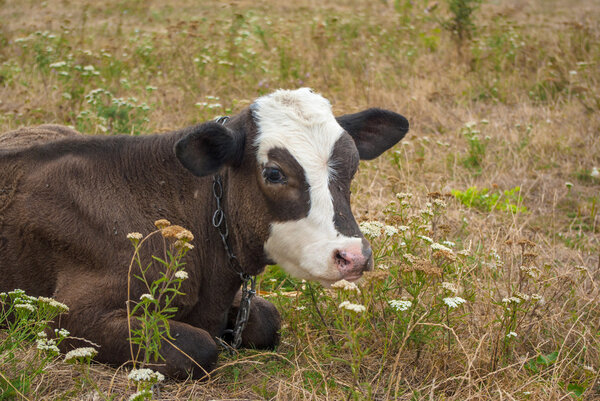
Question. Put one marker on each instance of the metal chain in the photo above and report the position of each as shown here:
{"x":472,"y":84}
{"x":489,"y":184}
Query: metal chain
{"x":219,"y":221}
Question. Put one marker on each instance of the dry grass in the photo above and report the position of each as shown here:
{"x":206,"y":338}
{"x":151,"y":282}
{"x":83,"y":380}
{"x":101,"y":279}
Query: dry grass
{"x":518,"y":74}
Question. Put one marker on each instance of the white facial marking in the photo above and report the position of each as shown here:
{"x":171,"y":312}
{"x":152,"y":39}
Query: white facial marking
{"x":302,"y":122}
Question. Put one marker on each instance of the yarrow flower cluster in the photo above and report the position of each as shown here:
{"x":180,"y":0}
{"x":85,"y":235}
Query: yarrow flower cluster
{"x":181,"y":275}
{"x":179,"y":244}
{"x":453,"y":288}
{"x":45,"y":344}
{"x":425,"y":238}
{"x":531,"y":271}
{"x":80,"y":353}
{"x":146,"y":296}
{"x":140,"y":395}
{"x":454,"y":302}
{"x":371,"y":228}
{"x":135,"y":236}
{"x":510,"y":300}
{"x":27,"y":307}
{"x":512,"y":334}
{"x":345,"y":285}
{"x":145,"y":375}
{"x":62,"y":308}
{"x":439,"y":247}
{"x":352,"y":307}
{"x":390,"y":231}
{"x":400,"y":305}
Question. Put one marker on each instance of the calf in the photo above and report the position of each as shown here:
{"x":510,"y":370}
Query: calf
{"x":67,"y":202}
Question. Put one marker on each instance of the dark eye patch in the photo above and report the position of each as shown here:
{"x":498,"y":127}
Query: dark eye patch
{"x":285,"y":186}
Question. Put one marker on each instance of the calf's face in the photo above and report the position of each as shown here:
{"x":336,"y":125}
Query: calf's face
{"x":304,"y":159}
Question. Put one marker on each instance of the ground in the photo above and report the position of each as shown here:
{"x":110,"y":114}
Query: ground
{"x":484,"y":219}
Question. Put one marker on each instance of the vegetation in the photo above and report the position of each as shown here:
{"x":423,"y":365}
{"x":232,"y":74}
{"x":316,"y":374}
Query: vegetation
{"x":484,"y":220}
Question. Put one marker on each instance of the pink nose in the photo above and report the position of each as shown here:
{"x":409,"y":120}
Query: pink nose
{"x":352,"y":262}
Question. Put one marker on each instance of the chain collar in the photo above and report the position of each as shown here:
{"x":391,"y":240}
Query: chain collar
{"x":219,"y":221}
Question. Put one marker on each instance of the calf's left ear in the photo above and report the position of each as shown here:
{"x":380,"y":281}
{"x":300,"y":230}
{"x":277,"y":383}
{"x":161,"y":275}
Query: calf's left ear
{"x":208,"y":147}
{"x":374,"y":130}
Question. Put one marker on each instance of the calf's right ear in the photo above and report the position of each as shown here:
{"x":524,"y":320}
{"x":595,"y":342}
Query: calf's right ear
{"x":208,"y":147}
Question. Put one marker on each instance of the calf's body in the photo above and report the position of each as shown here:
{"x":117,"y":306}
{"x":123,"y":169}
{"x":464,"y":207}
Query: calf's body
{"x":67,"y":202}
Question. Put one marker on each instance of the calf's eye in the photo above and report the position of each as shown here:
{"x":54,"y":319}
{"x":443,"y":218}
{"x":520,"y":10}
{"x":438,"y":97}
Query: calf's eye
{"x":273,"y":175}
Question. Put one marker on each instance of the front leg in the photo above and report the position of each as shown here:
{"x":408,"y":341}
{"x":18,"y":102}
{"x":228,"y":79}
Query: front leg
{"x":264,"y":322}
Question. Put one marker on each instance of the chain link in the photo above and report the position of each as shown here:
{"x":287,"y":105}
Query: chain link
{"x":219,"y":221}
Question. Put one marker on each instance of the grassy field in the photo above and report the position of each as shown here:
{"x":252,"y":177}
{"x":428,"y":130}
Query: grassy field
{"x":484,"y":219}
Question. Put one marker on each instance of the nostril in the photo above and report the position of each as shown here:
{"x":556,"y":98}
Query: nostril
{"x":341,"y":258}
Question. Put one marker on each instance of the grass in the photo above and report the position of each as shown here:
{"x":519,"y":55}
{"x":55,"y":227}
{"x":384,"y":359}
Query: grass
{"x":513,"y":104}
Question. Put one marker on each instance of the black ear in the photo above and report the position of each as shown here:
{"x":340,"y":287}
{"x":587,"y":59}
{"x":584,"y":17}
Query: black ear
{"x":208,"y":147}
{"x":374,"y":130}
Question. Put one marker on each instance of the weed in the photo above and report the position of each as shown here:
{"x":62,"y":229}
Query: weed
{"x":510,"y":200}
{"x":154,"y":308}
{"x":27,"y":322}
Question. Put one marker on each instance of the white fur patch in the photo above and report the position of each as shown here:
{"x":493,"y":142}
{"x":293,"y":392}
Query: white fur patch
{"x":302,"y":122}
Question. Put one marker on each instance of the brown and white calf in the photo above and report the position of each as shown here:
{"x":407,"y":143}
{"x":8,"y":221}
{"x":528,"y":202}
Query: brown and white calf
{"x":67,"y":202}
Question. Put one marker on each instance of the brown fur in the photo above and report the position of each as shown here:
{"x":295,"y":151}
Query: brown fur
{"x":68,"y":202}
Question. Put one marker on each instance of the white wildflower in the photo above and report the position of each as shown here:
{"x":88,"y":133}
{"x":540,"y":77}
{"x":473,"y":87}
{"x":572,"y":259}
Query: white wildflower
{"x":136,"y":236}
{"x":62,"y":332}
{"x":403,"y":228}
{"x":512,"y":334}
{"x":538,"y":298}
{"x":300,"y":307}
{"x":146,"y":296}
{"x":463,"y":252}
{"x":390,"y":230}
{"x":42,"y":334}
{"x":439,"y":203}
{"x":383,"y":267}
{"x":511,"y":300}
{"x":181,"y":275}
{"x":453,"y":288}
{"x":595,"y":173}
{"x":352,"y":307}
{"x":27,"y":307}
{"x":140,"y":395}
{"x":400,"y":305}
{"x":439,"y":247}
{"x":345,"y":285}
{"x":404,"y":195}
{"x":454,"y":302}
{"x":58,"y":64}
{"x":569,"y":185}
{"x":470,"y":124}
{"x":62,"y":308}
{"x":371,"y":228}
{"x":44,"y":344}
{"x":449,"y":244}
{"x":84,"y":352}
{"x":426,"y":212}
{"x":425,"y":238}
{"x":145,"y":375}
{"x":522,"y":296}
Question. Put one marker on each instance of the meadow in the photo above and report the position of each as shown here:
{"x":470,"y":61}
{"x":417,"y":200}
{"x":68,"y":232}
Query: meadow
{"x":484,"y":220}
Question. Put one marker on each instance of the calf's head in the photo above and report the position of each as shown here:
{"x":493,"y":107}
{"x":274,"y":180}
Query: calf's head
{"x":299,"y":160}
